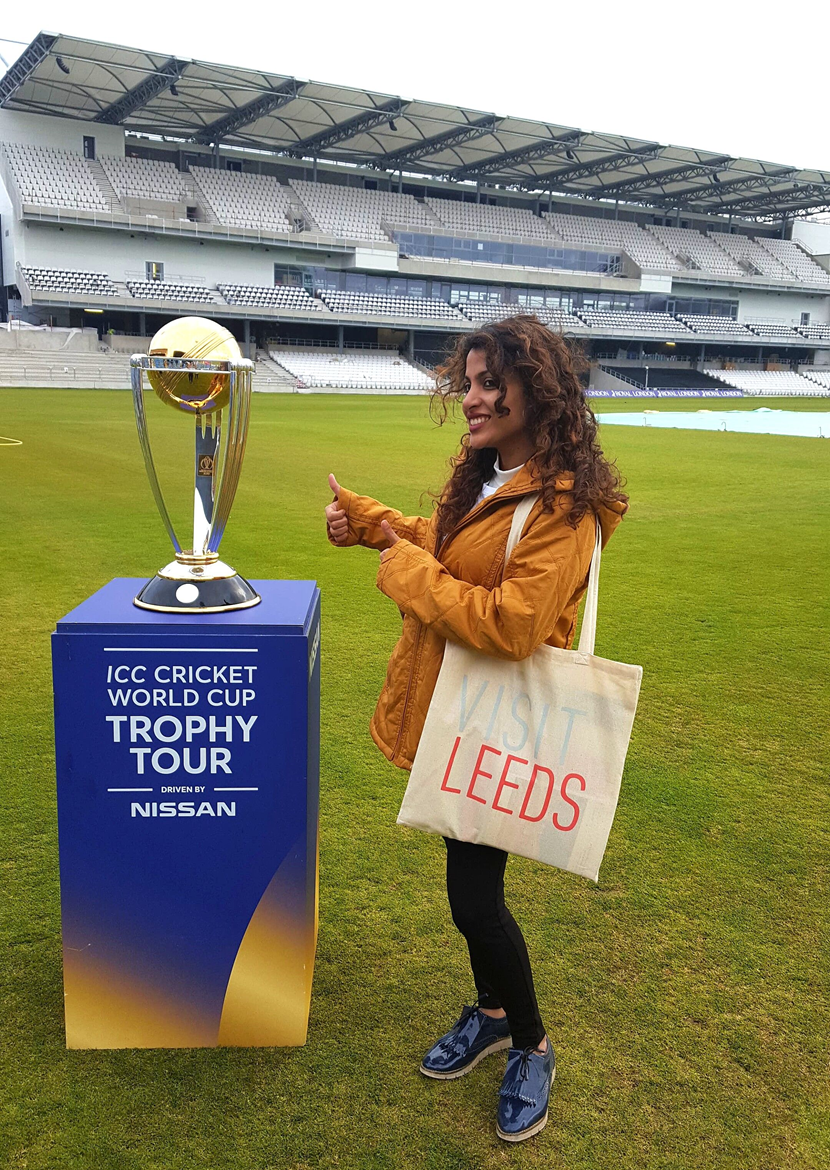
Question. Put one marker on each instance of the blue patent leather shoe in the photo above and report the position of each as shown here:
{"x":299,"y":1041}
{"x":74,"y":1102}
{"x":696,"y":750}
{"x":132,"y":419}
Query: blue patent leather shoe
{"x":474,"y":1036}
{"x":524,"y":1093}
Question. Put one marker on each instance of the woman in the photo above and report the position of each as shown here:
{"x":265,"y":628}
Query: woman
{"x":530,"y":430}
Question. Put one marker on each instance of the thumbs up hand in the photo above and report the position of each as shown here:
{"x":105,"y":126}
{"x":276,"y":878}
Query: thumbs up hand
{"x":391,"y":535}
{"x":336,"y":521}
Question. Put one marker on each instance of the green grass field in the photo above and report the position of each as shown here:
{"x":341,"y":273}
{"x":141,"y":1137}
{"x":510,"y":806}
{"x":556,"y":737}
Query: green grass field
{"x":686,"y":994}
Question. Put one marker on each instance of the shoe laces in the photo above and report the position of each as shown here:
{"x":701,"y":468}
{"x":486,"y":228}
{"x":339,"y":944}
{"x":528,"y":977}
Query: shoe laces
{"x":521,"y":1074}
{"x":467,"y":1012}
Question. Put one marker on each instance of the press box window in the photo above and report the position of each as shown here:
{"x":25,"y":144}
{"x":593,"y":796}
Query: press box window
{"x":153,"y":270}
{"x":89,"y":147}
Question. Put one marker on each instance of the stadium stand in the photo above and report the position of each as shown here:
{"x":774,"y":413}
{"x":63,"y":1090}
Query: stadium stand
{"x":796,"y":259}
{"x":749,"y":251}
{"x":767,"y":382}
{"x":167,"y":290}
{"x":355,"y":370}
{"x":246,"y":200}
{"x":369,"y":305}
{"x":489,"y":220}
{"x":820,"y":377}
{"x":144,"y":178}
{"x":279,"y":296}
{"x":628,"y":322}
{"x":84,"y":371}
{"x":644,"y":249}
{"x":56,"y":178}
{"x":773,"y":330}
{"x":657,"y":378}
{"x":360,"y":214}
{"x":815,"y":332}
{"x":715,"y":326}
{"x":697,"y":251}
{"x":480,"y":312}
{"x":67,"y":280}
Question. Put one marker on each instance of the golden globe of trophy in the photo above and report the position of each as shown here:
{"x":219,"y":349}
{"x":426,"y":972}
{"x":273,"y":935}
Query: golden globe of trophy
{"x":196,"y":367}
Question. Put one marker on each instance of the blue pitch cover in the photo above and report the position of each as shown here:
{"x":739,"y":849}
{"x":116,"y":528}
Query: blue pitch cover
{"x":187,"y":751}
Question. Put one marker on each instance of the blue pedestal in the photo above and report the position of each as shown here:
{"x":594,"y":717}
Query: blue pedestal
{"x":187,"y":752}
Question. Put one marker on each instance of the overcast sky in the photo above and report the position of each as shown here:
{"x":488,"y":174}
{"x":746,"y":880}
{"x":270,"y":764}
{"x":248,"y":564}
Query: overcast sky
{"x":720,"y":76}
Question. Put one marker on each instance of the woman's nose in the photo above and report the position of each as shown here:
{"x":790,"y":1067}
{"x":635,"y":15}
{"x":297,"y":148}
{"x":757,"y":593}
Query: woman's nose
{"x":471,"y":398}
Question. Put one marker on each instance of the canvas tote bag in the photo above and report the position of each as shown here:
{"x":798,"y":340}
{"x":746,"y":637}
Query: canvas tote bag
{"x":527,"y":756}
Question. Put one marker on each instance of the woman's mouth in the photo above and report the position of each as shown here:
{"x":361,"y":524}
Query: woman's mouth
{"x":477,"y":420}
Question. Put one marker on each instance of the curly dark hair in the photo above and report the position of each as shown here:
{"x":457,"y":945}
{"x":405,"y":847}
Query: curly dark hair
{"x":556,"y":411}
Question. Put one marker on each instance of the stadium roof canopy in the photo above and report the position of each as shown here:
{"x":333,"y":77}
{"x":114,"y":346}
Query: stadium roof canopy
{"x":195,"y":101}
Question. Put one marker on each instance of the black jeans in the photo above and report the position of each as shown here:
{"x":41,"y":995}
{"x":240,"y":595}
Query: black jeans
{"x":498,"y":955}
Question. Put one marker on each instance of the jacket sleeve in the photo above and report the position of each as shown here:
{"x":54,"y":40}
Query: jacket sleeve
{"x":364,"y":516}
{"x":548,"y":566}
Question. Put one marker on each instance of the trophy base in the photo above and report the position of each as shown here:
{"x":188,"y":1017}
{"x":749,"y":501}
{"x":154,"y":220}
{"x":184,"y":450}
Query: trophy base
{"x":217,"y":595}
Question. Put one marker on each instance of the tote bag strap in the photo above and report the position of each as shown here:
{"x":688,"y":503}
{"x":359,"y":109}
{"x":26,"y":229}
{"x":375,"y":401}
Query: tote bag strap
{"x":519,"y":518}
{"x":588,"y":632}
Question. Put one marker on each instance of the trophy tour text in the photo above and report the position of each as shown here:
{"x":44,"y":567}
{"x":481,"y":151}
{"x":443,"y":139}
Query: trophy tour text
{"x":169,"y":743}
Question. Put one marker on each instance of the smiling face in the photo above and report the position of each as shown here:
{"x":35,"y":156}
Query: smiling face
{"x":505,"y":432}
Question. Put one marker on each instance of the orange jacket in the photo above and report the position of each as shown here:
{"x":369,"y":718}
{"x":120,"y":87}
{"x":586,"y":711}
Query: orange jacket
{"x":468,"y":594}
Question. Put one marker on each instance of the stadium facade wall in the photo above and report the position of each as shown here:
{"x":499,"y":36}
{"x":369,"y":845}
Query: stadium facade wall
{"x":763,"y":303}
{"x":9,"y":234}
{"x":60,"y":133}
{"x":788,"y":307}
{"x":814,"y":236}
{"x":49,"y":341}
{"x":122,"y":255}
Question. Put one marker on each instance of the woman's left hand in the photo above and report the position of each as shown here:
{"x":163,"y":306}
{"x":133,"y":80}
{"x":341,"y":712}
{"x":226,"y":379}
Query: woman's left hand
{"x":391,"y":535}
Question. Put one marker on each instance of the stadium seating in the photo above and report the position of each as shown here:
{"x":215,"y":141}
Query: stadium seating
{"x":239,"y":199}
{"x":587,"y":231}
{"x":767,"y":382}
{"x":750,"y":252}
{"x":481,"y":218}
{"x":369,"y":305}
{"x":168,"y":290}
{"x":354,"y":369}
{"x":627,"y":322}
{"x":716,"y":326}
{"x":279,"y":296}
{"x":67,"y":280}
{"x":773,"y":330}
{"x":359,"y":214}
{"x":56,"y":178}
{"x":815,"y":332}
{"x":796,"y":259}
{"x":144,"y":178}
{"x":820,"y":377}
{"x":479,"y":312}
{"x":687,"y":244}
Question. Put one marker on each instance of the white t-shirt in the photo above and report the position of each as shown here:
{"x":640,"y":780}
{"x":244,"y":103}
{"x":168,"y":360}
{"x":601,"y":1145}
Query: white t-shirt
{"x":499,"y":479}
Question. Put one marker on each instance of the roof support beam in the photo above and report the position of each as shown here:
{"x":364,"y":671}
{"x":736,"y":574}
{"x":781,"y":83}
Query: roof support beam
{"x":151,"y":86}
{"x":241,"y":116}
{"x":807,"y":194}
{"x":495,"y":164}
{"x":747,"y":183}
{"x":343,"y":131}
{"x":658,"y":178}
{"x":25,"y":65}
{"x":596,"y":166}
{"x":449,"y":138}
